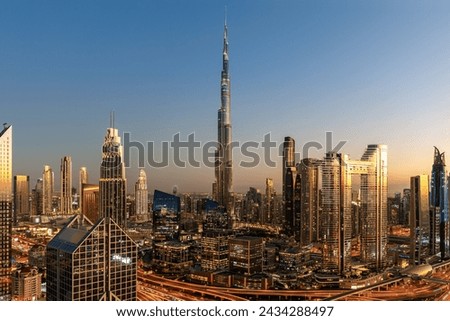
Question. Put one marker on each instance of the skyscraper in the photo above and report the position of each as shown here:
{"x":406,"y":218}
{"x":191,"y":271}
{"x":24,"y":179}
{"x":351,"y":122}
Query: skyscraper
{"x":37,"y":198}
{"x":439,"y":206}
{"x":289,"y":174}
{"x":5,"y":211}
{"x":141,"y":197}
{"x":91,"y":262}
{"x":90,"y":201}
{"x":374,"y":189}
{"x":310,"y":207}
{"x":21,"y":196}
{"x":66,"y":185}
{"x":112,"y":184}
{"x":336,"y":225}
{"x":224,"y":161}
{"x":82,"y":179}
{"x":420,"y":218}
{"x":48,"y":179}
{"x":269,"y":202}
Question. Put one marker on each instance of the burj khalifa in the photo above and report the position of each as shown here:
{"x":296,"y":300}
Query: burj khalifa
{"x":224,"y":160}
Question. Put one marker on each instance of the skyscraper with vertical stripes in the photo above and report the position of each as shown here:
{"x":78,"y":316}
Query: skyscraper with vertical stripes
{"x":5,"y":211}
{"x":224,"y":161}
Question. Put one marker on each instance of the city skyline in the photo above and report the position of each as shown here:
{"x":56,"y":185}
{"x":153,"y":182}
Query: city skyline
{"x":367,"y":75}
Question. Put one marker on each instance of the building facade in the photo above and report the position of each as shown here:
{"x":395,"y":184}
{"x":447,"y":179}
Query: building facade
{"x":90,"y":200}
{"x":21,"y":197}
{"x":439,"y":206}
{"x":5,"y":211}
{"x":141,"y":197}
{"x":420,"y":224}
{"x":224,"y":160}
{"x":112,"y":185}
{"x":66,"y":185}
{"x":288,"y":177}
{"x":91,"y":262}
{"x":48,"y":182}
{"x":310,"y":200}
{"x":26,"y":284}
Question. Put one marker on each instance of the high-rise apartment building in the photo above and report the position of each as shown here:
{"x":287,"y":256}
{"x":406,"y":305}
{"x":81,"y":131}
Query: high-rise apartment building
{"x":166,"y":215}
{"x":288,"y":177}
{"x":336,"y":225}
{"x":439,"y":206}
{"x":374,"y":189}
{"x":48,"y":182}
{"x":269,"y":202}
{"x":37,"y":197}
{"x":90,"y":201}
{"x":21,"y":197}
{"x":141,"y":197}
{"x":224,"y":157}
{"x":420,"y":224}
{"x":310,"y":200}
{"x":112,"y":178}
{"x":82,"y":179}
{"x":5,"y":211}
{"x":66,"y":185}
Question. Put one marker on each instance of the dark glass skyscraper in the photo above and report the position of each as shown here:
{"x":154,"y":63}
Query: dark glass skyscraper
{"x":112,"y":185}
{"x":224,"y":161}
{"x":288,"y":176}
{"x":166,"y":215}
{"x":439,"y":206}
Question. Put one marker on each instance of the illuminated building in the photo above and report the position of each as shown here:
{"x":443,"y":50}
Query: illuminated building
{"x":66,"y":185}
{"x":336,"y":225}
{"x":82,"y":179}
{"x":90,"y":199}
{"x":112,"y":184}
{"x":37,"y":197}
{"x":246,"y":255}
{"x":439,"y":206}
{"x":253,"y":206}
{"x":141,"y":197}
{"x":214,"y":251}
{"x":5,"y":211}
{"x":310,"y":200}
{"x":214,"y":216}
{"x":26,"y":284}
{"x":36,"y":256}
{"x":420,"y":218}
{"x":224,"y":160}
{"x":374,"y":189}
{"x":288,"y":176}
{"x":91,"y":262}
{"x":48,"y":182}
{"x":166,"y":215}
{"x":21,"y":197}
{"x":172,"y":257}
{"x":297,"y":210}
{"x":269,"y":202}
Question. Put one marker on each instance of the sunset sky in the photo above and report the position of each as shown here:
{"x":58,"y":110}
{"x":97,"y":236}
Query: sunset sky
{"x":369,"y":72}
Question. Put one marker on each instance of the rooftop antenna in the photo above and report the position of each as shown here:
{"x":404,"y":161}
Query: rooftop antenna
{"x":225,"y":19}
{"x":111,"y":119}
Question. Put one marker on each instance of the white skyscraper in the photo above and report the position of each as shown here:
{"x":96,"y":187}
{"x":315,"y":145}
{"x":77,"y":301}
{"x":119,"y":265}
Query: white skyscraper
{"x":141,"y":197}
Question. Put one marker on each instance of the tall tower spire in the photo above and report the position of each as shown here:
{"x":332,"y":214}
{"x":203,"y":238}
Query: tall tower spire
{"x":224,"y":161}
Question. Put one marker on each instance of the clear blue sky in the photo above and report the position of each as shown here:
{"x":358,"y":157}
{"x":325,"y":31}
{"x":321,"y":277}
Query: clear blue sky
{"x":369,"y":71}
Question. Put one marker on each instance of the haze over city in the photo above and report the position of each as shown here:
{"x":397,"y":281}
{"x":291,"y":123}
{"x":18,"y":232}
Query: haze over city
{"x":367,"y":72}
